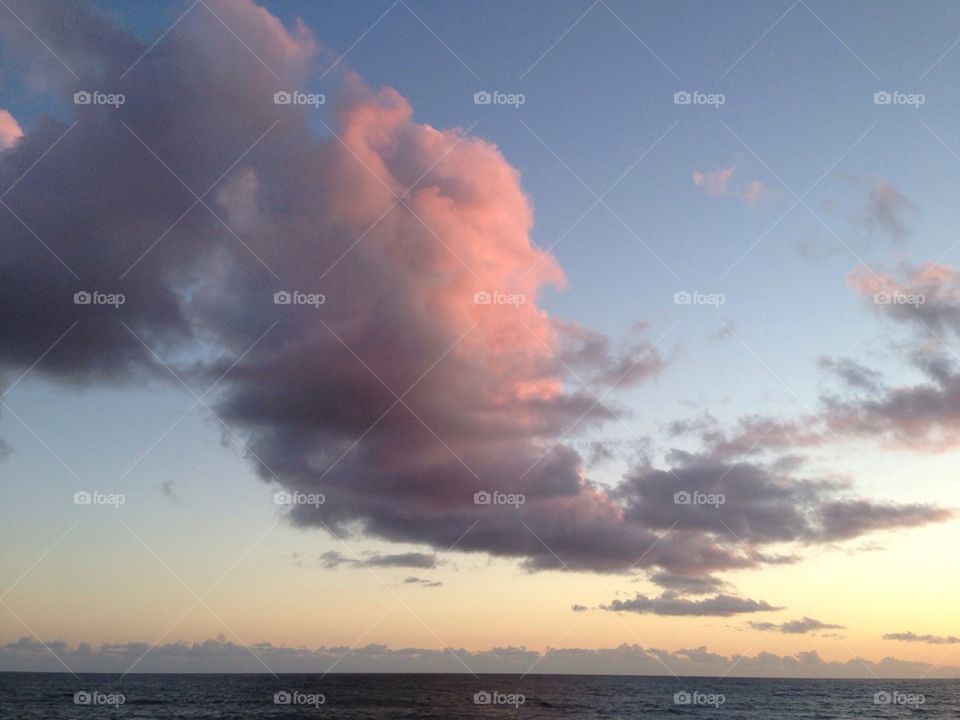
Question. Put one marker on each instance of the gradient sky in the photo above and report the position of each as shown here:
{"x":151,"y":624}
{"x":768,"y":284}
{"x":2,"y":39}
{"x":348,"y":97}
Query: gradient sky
{"x":796,"y":201}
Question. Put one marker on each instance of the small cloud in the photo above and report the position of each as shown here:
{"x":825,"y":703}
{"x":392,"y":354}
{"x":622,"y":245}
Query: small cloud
{"x":714,"y":182}
{"x":579,"y":608}
{"x":719,"y":183}
{"x":411,"y":580}
{"x":796,"y":627}
{"x":332,"y":560}
{"x":726,"y":330}
{"x":928,"y":639}
{"x":884,"y":211}
{"x":166,"y":487}
{"x":600,"y":452}
{"x":10,"y":131}
{"x":670,"y":604}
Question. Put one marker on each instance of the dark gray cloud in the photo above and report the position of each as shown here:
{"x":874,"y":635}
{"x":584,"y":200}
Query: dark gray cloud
{"x":923,"y":415}
{"x":928,"y":639}
{"x":796,"y":627}
{"x":751,"y":505}
{"x":667,"y":604}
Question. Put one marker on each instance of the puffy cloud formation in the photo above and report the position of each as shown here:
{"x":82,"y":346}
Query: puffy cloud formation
{"x":796,"y":627}
{"x":223,"y":656}
{"x":427,"y":374}
{"x":10,"y":130}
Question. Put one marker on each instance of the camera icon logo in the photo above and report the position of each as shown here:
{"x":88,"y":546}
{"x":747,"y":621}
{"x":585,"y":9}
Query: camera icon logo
{"x":82,"y":498}
{"x":82,"y":298}
{"x":482,"y":297}
{"x":682,"y":498}
{"x":682,"y":97}
{"x":681,"y":298}
{"x":82,"y":97}
{"x":282,"y":498}
{"x":881,"y":298}
{"x":682,"y":698}
{"x":282,"y":698}
{"x":482,"y":698}
{"x":882,"y":698}
{"x":482,"y":498}
{"x":82,"y":698}
{"x":482,"y":98}
{"x":282,"y":97}
{"x":282,"y":297}
{"x":882,"y":97}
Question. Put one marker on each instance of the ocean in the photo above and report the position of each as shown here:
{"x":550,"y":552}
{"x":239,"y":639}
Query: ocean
{"x":45,"y":696}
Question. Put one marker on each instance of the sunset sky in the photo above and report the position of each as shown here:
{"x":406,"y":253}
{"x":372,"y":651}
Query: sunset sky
{"x":684,"y":248}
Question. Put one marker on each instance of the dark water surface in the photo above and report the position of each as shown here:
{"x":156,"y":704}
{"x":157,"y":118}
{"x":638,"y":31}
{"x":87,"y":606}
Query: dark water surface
{"x":376,"y":697}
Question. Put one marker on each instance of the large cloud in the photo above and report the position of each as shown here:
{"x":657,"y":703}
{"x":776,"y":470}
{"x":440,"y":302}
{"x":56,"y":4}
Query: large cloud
{"x":430,"y":372}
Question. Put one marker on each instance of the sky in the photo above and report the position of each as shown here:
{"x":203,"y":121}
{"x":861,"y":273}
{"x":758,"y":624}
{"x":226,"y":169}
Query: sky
{"x":474,"y":337}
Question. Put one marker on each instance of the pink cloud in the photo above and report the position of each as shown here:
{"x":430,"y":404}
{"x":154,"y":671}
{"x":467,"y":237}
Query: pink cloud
{"x":714,"y":182}
{"x":10,"y":130}
{"x":719,"y":183}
